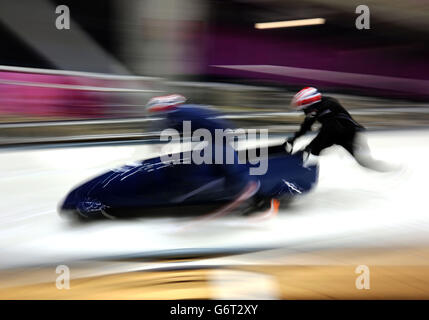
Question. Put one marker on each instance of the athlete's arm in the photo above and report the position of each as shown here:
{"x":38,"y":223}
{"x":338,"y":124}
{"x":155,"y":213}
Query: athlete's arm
{"x":305,"y":126}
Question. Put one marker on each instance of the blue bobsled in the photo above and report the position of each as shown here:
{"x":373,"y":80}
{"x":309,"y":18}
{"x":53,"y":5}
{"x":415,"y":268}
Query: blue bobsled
{"x":152,"y":187}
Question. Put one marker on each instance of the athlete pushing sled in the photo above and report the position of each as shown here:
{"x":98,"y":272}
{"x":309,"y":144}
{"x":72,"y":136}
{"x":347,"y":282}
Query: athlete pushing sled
{"x":338,"y":128}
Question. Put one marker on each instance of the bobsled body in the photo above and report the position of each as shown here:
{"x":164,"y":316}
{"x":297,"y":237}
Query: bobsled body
{"x":153,"y":187}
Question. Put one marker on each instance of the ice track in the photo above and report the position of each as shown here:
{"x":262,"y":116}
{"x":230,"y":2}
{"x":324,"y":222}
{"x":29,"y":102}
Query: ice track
{"x":350,"y":207}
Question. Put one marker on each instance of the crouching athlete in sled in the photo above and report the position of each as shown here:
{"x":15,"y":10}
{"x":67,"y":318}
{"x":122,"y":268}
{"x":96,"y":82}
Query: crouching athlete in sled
{"x":175,"y":112}
{"x":337,"y":128}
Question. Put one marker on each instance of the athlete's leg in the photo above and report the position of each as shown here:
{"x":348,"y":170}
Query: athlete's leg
{"x":236,"y":175}
{"x":237,"y":182}
{"x":357,"y":146}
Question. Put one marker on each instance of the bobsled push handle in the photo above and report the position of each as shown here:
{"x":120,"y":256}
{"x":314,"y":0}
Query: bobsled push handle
{"x":285,"y":148}
{"x":272,"y":150}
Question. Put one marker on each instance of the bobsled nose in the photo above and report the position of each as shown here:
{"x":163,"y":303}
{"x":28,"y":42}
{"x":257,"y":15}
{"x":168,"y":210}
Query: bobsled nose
{"x":69,"y":202}
{"x":68,"y":207}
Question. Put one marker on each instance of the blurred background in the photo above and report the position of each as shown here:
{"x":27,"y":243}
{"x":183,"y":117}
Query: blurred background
{"x":90,"y":83}
{"x":116,"y":55}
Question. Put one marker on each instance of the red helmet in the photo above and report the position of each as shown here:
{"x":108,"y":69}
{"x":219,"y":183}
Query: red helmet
{"x":306,"y":97}
{"x":164,"y":103}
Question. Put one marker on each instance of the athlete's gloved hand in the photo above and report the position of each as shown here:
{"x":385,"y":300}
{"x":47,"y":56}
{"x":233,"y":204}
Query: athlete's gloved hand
{"x":291,"y":140}
{"x":307,"y":149}
{"x":288,"y":145}
{"x":309,"y":159}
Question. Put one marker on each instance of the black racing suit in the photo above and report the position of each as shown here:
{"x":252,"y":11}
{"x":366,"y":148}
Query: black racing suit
{"x":338,"y":126}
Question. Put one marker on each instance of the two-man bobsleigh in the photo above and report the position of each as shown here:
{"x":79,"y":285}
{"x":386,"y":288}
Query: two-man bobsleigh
{"x":153,"y":187}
